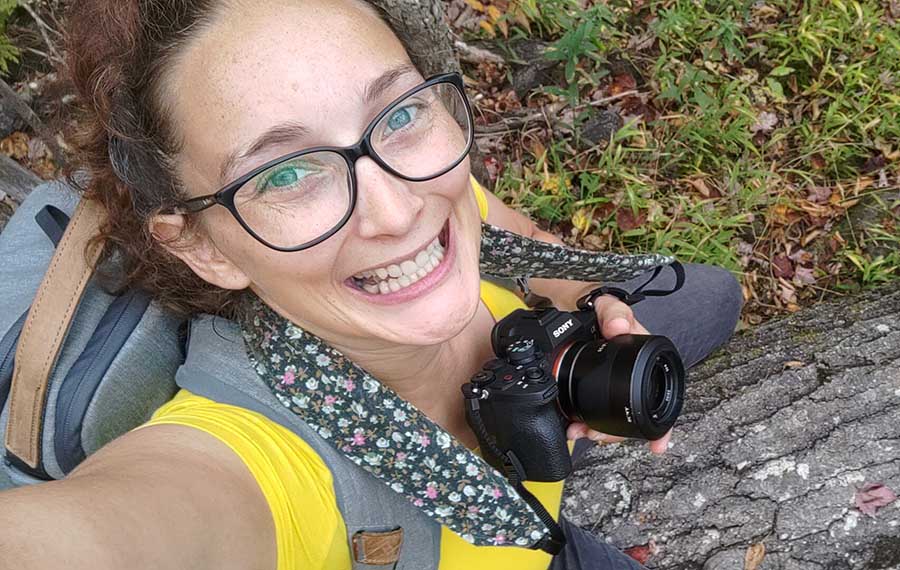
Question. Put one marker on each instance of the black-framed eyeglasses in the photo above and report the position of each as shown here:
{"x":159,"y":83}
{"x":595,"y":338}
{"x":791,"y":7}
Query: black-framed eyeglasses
{"x":301,"y":199}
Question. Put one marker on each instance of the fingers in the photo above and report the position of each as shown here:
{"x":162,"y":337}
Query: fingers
{"x":578,"y":430}
{"x":659,"y":446}
{"x":615,"y":317}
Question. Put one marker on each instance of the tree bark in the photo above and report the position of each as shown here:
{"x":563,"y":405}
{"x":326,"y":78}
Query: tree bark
{"x":15,"y":180}
{"x":423,"y":29}
{"x":781,"y":429}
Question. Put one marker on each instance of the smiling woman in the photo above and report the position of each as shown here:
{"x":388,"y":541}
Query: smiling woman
{"x":283,"y":164}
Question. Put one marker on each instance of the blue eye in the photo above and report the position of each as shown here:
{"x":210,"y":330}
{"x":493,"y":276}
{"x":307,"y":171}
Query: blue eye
{"x":285,"y":176}
{"x":401,"y":118}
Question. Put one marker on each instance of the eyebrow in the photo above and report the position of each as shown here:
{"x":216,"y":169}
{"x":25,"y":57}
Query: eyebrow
{"x":291,"y":130}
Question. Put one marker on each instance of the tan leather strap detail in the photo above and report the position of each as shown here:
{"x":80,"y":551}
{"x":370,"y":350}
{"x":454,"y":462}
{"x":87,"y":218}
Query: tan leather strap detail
{"x":377,"y":548}
{"x":45,"y":328}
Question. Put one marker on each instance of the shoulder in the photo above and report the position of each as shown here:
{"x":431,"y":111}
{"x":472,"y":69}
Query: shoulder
{"x":294,"y":480}
{"x":496,"y":213}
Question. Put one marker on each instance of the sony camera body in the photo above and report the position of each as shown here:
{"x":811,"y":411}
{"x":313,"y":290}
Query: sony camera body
{"x":553,"y":368}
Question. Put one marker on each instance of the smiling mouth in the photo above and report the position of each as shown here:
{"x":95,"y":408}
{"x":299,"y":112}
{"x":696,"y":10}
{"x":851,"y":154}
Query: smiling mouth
{"x":398,"y":276}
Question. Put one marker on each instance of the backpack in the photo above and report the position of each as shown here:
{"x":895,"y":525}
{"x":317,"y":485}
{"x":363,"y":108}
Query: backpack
{"x":115,"y":353}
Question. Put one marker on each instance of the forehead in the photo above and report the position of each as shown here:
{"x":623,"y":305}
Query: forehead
{"x":257,"y":66}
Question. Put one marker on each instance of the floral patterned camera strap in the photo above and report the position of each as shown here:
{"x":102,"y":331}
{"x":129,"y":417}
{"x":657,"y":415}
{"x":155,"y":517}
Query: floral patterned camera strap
{"x":389,"y":437}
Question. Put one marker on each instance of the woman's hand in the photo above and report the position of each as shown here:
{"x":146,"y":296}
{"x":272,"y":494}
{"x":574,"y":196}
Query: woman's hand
{"x":615,"y":318}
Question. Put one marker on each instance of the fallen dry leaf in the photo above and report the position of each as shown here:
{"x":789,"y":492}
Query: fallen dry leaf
{"x":582,"y":220}
{"x":15,"y":145}
{"x":790,"y":365}
{"x":622,"y":83}
{"x":805,"y":275}
{"x":765,"y":122}
{"x":782,"y":266}
{"x":819,"y":194}
{"x":754,"y":556}
{"x":818,"y":161}
{"x":639,"y":553}
{"x":787,"y":293}
{"x":872,"y":496}
{"x":700,"y":185}
{"x":627,"y":221}
{"x":493,"y":166}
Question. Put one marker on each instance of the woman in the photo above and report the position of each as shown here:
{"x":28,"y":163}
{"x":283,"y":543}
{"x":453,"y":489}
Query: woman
{"x":187,"y":102}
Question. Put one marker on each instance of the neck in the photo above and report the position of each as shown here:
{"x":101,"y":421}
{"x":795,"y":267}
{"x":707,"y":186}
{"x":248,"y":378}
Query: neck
{"x":419,"y":375}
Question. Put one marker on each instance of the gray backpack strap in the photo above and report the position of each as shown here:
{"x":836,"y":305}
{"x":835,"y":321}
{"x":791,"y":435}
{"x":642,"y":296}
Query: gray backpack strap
{"x":218,"y":368}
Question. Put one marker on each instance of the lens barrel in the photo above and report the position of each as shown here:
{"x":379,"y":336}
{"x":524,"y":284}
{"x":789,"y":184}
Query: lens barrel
{"x":630,"y":385}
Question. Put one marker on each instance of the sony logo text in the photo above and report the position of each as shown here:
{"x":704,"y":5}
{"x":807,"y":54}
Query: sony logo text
{"x":562,"y":328}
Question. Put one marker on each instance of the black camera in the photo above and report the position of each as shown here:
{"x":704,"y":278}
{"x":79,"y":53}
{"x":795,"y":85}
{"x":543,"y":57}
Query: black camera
{"x":553,"y":368}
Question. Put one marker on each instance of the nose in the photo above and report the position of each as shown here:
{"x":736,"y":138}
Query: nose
{"x":385,"y":205}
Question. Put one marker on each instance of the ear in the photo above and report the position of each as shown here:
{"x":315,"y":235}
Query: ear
{"x":198,"y":251}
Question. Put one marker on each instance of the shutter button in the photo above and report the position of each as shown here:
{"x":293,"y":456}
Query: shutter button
{"x":482,"y":378}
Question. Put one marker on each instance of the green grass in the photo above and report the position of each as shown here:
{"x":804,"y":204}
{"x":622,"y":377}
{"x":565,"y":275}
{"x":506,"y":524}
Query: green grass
{"x":829,"y":71}
{"x":8,"y":52}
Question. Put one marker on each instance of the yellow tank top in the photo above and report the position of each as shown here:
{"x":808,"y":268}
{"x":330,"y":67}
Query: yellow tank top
{"x":297,"y":485}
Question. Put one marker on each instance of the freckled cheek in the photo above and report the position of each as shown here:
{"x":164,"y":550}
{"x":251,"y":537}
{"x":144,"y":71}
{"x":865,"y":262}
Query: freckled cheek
{"x":272,"y":269}
{"x":455,"y":185}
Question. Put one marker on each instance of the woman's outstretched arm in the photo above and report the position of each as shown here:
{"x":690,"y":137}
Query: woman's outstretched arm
{"x":159,"y":497}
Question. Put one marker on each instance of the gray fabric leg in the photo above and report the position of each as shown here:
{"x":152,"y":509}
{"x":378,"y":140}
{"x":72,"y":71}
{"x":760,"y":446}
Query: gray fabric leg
{"x":584,"y":551}
{"x":699,"y":317}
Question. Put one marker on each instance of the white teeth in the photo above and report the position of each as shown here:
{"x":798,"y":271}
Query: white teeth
{"x":395,"y":277}
{"x":409,"y":267}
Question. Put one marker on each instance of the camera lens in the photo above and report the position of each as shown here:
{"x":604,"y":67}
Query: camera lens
{"x":656,"y":388}
{"x":630,"y":385}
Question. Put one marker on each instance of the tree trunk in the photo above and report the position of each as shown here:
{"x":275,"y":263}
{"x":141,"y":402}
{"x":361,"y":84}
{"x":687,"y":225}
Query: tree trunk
{"x":781,"y":429}
{"x":422,"y":27}
{"x":16,"y":181}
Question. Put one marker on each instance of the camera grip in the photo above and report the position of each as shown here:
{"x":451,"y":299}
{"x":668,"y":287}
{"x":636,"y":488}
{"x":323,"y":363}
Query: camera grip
{"x":534,"y":431}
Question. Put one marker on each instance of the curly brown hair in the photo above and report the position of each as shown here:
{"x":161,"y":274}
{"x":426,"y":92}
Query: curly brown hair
{"x":118,"y":52}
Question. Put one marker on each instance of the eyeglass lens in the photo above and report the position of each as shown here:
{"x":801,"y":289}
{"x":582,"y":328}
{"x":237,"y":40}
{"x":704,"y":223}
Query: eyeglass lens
{"x":303,"y":198}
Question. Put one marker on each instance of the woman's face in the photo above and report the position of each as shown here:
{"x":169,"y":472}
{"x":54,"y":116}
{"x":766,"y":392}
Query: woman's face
{"x":312,"y":73}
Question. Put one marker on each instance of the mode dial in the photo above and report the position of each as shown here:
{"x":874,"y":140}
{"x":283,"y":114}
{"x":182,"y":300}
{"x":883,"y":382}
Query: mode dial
{"x":521,"y":351}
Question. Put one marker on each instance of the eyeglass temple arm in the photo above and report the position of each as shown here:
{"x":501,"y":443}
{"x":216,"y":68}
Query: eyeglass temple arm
{"x":195,"y":205}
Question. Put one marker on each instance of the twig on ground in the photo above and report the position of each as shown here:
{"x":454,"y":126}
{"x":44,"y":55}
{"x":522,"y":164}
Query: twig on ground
{"x":549,"y":113}
{"x":44,"y":28}
{"x":472,"y":54}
